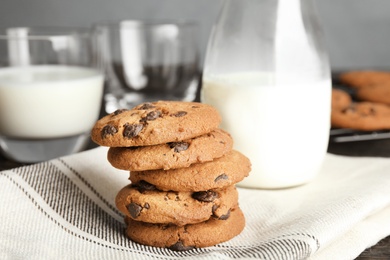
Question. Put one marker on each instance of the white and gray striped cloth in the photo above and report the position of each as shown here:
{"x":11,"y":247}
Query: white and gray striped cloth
{"x":64,"y":209}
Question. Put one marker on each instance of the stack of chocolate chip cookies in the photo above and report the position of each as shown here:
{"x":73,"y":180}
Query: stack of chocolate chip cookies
{"x":183,"y":172}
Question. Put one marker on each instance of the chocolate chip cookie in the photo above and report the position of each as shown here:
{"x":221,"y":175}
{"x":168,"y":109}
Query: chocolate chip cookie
{"x":340,"y":99}
{"x":143,"y":202}
{"x":379,"y":93}
{"x":365,"y":116}
{"x":219,"y":173}
{"x":155,"y":123}
{"x":364,"y":78}
{"x":172,"y":155}
{"x":182,"y":238}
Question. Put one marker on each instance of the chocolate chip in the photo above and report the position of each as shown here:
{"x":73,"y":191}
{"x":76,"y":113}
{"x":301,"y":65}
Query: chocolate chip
{"x":226,"y":216}
{"x":144,"y":185}
{"x":179,"y":114}
{"x":119,"y":111}
{"x":205,"y":196}
{"x":178,"y":146}
{"x":221,"y":177}
{"x":131,"y":131}
{"x":145,"y":106}
{"x":214,"y":209}
{"x":372,"y":111}
{"x":146,"y":206}
{"x":134,"y":209}
{"x":180,"y":247}
{"x":151,"y":116}
{"x":108,"y":130}
{"x":223,"y":217}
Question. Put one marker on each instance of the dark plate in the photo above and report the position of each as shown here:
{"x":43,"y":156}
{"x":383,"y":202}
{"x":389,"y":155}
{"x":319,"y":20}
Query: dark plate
{"x":343,"y":135}
{"x":354,"y":142}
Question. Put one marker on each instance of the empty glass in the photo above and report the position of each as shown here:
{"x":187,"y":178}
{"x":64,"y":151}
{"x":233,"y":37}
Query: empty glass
{"x":147,"y":61}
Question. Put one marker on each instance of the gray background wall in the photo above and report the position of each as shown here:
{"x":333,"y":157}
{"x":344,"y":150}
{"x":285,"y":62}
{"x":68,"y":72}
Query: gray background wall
{"x":357,"y":31}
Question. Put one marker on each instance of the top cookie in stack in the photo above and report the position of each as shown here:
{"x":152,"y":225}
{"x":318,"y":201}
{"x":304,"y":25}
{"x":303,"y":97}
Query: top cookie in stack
{"x":183,"y":173}
{"x":155,"y":123}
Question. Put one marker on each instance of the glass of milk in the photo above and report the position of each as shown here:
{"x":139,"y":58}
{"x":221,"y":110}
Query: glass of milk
{"x":50,"y":93}
{"x":267,"y":72}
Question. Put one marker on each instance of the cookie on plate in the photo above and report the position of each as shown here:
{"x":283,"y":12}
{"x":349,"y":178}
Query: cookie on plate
{"x":362,"y":78}
{"x":155,"y":123}
{"x":182,"y":238}
{"x":365,"y":116}
{"x":375,"y":93}
{"x":147,"y":204}
{"x":172,"y":155}
{"x":219,"y":173}
{"x":340,"y":99}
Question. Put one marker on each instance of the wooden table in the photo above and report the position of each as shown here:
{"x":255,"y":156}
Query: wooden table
{"x":378,"y":148}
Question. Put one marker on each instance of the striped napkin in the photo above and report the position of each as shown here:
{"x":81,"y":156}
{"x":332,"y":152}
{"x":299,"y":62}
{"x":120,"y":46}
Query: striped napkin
{"x":64,"y":209}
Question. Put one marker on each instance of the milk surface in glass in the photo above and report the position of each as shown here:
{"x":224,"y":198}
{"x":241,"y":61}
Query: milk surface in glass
{"x":47,"y":108}
{"x":281,"y":124}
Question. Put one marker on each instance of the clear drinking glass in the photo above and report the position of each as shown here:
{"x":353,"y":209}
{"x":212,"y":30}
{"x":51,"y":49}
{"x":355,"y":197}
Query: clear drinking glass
{"x":50,"y":93}
{"x":147,"y":61}
{"x":267,"y":71}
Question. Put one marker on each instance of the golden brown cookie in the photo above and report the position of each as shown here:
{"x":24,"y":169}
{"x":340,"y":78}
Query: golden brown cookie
{"x":219,"y":173}
{"x":173,"y":155}
{"x":145,"y":203}
{"x":364,"y":78}
{"x":364,"y":116}
{"x":340,"y":99}
{"x":155,"y":123}
{"x":375,"y":93}
{"x":208,"y":233}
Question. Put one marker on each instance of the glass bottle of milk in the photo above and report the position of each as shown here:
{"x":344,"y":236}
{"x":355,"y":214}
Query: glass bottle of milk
{"x":267,"y":72}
